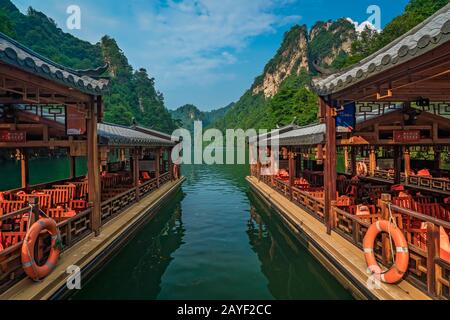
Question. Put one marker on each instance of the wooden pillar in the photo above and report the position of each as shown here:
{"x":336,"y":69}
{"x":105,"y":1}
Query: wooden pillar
{"x":158,"y":166}
{"x":136,"y":172}
{"x":258,"y":166}
{"x":353,"y":160}
{"x":397,"y":164}
{"x":170,"y":164}
{"x":72,"y":167}
{"x":433,"y":247}
{"x":385,"y":214}
{"x":272,"y":167}
{"x":93,"y":169}
{"x":330,"y":174}
{"x":346,"y":159}
{"x":291,"y":172}
{"x":407,"y":159}
{"x":24,"y":172}
{"x":372,"y":161}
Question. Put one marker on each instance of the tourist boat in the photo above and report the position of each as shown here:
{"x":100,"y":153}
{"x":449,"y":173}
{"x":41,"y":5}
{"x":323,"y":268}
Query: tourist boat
{"x":395,"y":166}
{"x":46,"y":106}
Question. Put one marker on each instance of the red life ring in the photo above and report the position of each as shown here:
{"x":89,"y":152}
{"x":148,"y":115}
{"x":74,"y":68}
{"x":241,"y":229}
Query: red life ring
{"x":397,"y":271}
{"x":29,"y":265}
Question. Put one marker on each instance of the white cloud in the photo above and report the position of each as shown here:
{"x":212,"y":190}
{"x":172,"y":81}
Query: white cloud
{"x":192,"y":39}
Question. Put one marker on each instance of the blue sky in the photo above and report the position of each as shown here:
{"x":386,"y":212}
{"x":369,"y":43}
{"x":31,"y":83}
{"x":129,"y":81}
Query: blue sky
{"x":205,"y":52}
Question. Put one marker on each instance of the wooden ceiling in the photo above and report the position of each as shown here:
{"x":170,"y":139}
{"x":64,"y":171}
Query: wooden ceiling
{"x":20,"y":87}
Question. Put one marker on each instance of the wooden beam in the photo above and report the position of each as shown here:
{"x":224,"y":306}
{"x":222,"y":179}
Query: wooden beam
{"x":158,"y":166}
{"x":372,"y":160}
{"x":135,"y":163}
{"x":34,"y":81}
{"x":94,"y":169}
{"x":330,"y":174}
{"x":24,"y":170}
{"x":407,"y":160}
{"x":433,"y":245}
{"x":291,"y":172}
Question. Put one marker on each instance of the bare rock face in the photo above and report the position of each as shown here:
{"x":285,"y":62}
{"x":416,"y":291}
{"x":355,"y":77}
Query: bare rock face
{"x":323,"y":44}
{"x":290,"y":59}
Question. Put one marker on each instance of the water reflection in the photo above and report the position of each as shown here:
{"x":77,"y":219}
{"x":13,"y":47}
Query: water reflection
{"x":214,"y":241}
{"x":290,"y":270}
{"x":136,"y":272}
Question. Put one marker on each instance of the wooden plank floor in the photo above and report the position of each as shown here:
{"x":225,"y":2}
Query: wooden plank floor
{"x":88,"y":249}
{"x":342,"y":252}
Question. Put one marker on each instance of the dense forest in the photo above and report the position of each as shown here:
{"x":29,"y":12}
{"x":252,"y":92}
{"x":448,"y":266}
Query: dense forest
{"x":132,"y":94}
{"x":294,"y":102}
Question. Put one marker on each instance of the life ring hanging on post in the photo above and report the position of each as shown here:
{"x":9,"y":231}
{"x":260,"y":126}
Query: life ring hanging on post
{"x":397,"y":271}
{"x":29,"y":265}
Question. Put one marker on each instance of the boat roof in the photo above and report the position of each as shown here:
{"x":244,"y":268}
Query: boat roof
{"x":156,"y":133}
{"x":87,"y":81}
{"x":314,"y":134}
{"x":277,"y":131}
{"x":432,"y":33}
{"x":116,"y":135}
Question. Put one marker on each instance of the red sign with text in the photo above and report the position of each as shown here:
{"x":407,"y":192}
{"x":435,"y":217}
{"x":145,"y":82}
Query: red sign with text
{"x":13,"y":136}
{"x":405,"y":136}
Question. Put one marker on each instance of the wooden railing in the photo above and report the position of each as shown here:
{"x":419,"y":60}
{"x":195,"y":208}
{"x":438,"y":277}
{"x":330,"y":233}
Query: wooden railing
{"x":315,"y":206}
{"x":72,"y":230}
{"x":114,"y":206}
{"x":304,"y":199}
{"x":427,"y":270}
{"x":148,"y":186}
{"x":428,"y":183}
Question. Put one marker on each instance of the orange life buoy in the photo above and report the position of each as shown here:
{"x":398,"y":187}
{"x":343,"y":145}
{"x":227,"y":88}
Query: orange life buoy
{"x":396,"y":272}
{"x":361,"y":169}
{"x":29,"y":265}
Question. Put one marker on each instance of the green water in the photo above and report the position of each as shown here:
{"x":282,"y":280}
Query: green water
{"x":213,"y":240}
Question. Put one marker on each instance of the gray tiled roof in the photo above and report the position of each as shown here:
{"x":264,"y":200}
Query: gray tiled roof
{"x":110,"y":134}
{"x":17,"y":55}
{"x":430,"y":34}
{"x":303,"y":136}
{"x":156,"y":133}
{"x":281,"y":130}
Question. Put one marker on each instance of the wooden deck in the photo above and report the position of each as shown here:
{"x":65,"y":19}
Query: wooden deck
{"x":344,"y":260}
{"x":93,"y":251}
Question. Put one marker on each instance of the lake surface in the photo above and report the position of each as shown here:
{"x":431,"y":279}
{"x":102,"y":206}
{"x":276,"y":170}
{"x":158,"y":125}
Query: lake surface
{"x":213,"y":240}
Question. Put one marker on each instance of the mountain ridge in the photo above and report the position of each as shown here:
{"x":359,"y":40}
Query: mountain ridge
{"x":132,"y":94}
{"x":282,"y":94}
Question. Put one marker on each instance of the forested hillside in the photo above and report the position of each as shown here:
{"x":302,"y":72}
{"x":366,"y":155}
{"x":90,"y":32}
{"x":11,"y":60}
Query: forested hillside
{"x":185,"y":116}
{"x":281,"y":95}
{"x":132,"y":93}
